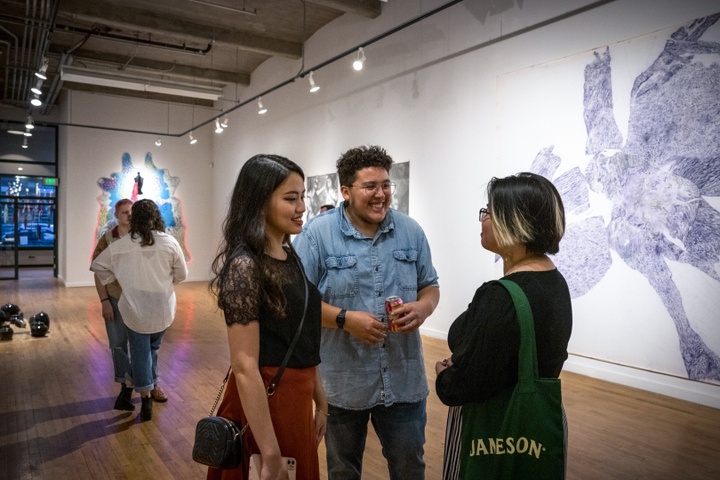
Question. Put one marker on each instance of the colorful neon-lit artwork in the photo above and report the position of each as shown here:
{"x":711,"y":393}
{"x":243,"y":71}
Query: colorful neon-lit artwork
{"x":137,"y":183}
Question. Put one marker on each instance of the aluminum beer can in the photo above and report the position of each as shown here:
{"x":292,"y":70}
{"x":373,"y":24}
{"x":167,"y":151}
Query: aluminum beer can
{"x":390,"y":303}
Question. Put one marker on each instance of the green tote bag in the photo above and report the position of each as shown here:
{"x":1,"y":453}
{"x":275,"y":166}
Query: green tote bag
{"x":518,"y":434}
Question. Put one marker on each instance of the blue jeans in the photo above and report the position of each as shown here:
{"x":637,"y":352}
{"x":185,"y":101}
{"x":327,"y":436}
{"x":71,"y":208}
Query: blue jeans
{"x":144,"y":354}
{"x":400,"y":428}
{"x":118,"y":341}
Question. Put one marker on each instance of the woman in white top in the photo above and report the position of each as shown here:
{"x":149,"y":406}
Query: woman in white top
{"x":147,"y":264}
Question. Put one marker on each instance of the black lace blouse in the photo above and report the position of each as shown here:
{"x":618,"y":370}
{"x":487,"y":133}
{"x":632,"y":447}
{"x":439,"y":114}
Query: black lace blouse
{"x":243,"y":304}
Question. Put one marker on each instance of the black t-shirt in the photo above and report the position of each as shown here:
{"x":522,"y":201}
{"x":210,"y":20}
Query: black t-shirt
{"x":244,"y":304}
{"x":485,"y":339}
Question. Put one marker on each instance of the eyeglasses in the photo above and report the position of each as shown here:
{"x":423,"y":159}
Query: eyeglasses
{"x":484,"y":214}
{"x":371,"y":188}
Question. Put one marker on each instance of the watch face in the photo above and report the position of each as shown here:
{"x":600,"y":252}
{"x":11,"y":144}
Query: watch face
{"x":340,"y":319}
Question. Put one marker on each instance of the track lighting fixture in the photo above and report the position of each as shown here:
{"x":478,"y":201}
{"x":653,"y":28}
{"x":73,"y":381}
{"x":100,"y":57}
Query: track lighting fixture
{"x":27,"y":133}
{"x":158,"y":142}
{"x":313,"y":88}
{"x":359,"y":59}
{"x":25,"y":145}
{"x":43,"y":69}
{"x":29,"y":124}
{"x":36,"y":89}
{"x":225,"y":122}
{"x":36,"y":102}
{"x":193,"y":140}
{"x":261,"y":110}
{"x":218,"y":127}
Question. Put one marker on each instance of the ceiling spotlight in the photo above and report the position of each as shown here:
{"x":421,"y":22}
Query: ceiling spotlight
{"x":27,"y":133}
{"x":218,"y":127}
{"x":193,"y":140}
{"x":25,"y":145}
{"x":29,"y":123}
{"x":225,"y":122}
{"x":36,"y":102}
{"x":158,"y":142}
{"x":313,"y":88}
{"x":359,"y":59}
{"x":36,"y":89}
{"x":261,"y":110}
{"x":41,"y":73}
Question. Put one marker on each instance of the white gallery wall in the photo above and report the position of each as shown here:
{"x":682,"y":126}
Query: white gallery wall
{"x":88,"y":154}
{"x":440,"y":95}
{"x":475,"y":91}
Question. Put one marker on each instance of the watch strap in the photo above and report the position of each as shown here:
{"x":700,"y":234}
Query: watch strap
{"x":340,"y":319}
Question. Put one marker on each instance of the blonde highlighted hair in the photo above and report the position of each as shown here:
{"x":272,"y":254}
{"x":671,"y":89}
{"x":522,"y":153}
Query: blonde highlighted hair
{"x":526,"y":208}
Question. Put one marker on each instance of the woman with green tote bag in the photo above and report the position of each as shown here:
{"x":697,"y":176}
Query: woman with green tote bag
{"x":506,"y":417}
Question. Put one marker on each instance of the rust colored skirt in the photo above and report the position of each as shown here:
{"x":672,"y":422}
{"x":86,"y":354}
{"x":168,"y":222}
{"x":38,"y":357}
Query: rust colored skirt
{"x":291,"y":410}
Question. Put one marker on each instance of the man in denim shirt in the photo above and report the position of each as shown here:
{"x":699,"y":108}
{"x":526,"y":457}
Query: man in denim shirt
{"x":357,"y":255}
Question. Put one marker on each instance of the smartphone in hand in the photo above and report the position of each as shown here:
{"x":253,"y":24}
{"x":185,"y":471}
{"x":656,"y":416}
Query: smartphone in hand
{"x":256,"y":464}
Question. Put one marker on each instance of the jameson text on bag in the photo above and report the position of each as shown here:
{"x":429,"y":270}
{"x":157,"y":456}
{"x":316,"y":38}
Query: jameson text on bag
{"x":518,"y":434}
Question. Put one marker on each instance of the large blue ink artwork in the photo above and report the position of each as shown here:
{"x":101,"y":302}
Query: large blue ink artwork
{"x":656,"y":183}
{"x":145,"y":182}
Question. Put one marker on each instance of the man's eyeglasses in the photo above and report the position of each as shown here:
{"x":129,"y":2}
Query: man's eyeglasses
{"x":371,"y":188}
{"x":484,"y":214}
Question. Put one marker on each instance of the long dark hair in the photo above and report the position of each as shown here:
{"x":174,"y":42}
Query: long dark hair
{"x":244,"y":226}
{"x":144,"y":219}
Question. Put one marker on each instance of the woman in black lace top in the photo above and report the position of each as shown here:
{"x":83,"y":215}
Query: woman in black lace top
{"x":260,"y":288}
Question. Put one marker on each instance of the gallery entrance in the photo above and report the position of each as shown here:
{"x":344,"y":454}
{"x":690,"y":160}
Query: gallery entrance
{"x":27,"y":235}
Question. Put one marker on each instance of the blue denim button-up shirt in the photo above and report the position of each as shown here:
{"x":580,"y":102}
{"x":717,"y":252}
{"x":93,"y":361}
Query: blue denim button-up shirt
{"x":355,"y":272}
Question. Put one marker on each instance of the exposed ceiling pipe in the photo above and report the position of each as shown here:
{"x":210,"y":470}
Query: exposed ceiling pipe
{"x":148,"y":43}
{"x":392,"y":31}
{"x":352,"y":50}
{"x":35,"y":42}
{"x":7,"y":59}
{"x":327,"y":62}
{"x":225,"y":7}
{"x":55,"y":86}
{"x":48,"y":16}
{"x":32,"y":49}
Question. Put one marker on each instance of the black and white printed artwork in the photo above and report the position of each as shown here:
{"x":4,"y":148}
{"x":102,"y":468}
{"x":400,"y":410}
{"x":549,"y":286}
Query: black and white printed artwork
{"x":321,"y":190}
{"x":400,"y":176}
{"x":641,"y":192}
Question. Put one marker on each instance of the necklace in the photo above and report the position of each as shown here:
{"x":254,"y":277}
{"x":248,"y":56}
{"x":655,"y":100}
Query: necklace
{"x":526,"y":262}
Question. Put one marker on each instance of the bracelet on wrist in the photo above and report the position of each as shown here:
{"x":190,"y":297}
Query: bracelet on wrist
{"x":103,"y":299}
{"x":324,"y":413}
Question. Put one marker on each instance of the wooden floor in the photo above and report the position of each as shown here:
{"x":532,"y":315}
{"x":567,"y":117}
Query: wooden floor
{"x":57,"y":421}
